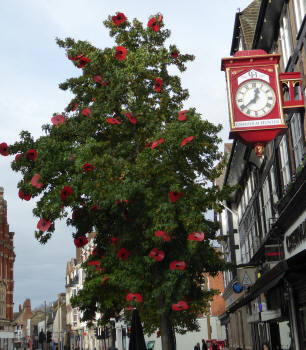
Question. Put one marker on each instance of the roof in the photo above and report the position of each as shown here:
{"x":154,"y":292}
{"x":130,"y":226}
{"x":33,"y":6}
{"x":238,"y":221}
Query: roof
{"x":248,"y":21}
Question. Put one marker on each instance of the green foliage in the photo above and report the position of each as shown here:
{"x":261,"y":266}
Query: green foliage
{"x":125,"y":169}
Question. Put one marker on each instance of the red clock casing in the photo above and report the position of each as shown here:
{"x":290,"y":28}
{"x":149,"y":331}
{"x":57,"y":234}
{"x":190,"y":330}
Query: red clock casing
{"x":254,"y":96}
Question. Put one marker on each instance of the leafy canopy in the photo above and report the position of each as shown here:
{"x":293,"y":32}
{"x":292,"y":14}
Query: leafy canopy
{"x":120,"y":184}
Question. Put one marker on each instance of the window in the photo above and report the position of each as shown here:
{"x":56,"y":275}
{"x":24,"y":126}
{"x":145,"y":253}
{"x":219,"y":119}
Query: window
{"x":299,"y":7}
{"x":297,"y":138}
{"x":285,"y":37}
{"x":285,"y":171}
{"x":274,"y":193}
{"x":267,"y":203}
{"x":2,"y":300}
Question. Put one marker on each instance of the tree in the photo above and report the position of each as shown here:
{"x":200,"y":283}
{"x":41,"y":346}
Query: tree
{"x":130,"y":163}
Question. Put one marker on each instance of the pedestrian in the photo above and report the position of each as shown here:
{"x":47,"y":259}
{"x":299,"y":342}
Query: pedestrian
{"x":214,"y":346}
{"x":197,"y":347}
{"x":204,"y":345}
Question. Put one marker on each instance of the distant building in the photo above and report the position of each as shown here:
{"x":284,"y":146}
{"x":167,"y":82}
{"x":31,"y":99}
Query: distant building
{"x":7,"y":258}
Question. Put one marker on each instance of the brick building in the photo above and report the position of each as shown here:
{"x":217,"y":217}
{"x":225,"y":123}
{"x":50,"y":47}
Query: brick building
{"x":7,"y":258}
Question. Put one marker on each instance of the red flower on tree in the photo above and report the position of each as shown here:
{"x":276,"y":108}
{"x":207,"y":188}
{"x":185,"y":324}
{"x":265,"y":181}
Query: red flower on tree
{"x":177,"y":265}
{"x":120,"y":53}
{"x":119,"y":18}
{"x":74,"y":107}
{"x":131,"y":118}
{"x":175,"y":54}
{"x":196,"y":236}
{"x":98,"y":79}
{"x":31,"y":155}
{"x":80,"y":241}
{"x":114,"y":240}
{"x":149,"y":144}
{"x":24,"y":196}
{"x":156,"y":254}
{"x":175,"y":195}
{"x":163,"y":235}
{"x":157,"y":143}
{"x":186,"y":140}
{"x":94,"y":263}
{"x":83,"y":61}
{"x":113,"y":121}
{"x":153,"y":24}
{"x":158,"y":84}
{"x":134,"y":297}
{"x":35,"y":181}
{"x":57,"y":119}
{"x":181,"y":305}
{"x":66,"y":192}
{"x":86,"y":112}
{"x":43,"y":224}
{"x":18,"y":155}
{"x":182,"y":115}
{"x":4,"y":149}
{"x":75,"y":58}
{"x":105,"y":278}
{"x":88,"y":167}
{"x":123,"y":254}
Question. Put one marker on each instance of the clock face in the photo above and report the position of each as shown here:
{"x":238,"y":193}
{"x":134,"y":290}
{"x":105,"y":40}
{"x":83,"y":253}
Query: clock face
{"x":255,"y":98}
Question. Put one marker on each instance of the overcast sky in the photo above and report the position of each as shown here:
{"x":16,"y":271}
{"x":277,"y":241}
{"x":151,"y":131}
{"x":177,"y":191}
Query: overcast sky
{"x":32,"y":66}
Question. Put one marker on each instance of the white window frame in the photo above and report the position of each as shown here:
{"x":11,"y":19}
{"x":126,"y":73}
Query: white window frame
{"x":299,"y":7}
{"x":267,"y":202}
{"x":285,"y":170}
{"x":274,"y":192}
{"x":285,"y":36}
{"x":297,"y":138}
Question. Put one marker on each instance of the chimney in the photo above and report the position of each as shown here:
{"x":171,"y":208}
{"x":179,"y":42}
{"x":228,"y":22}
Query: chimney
{"x":1,"y":191}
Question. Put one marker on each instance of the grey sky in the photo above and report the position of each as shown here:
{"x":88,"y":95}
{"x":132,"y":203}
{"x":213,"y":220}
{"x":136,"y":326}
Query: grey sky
{"x":32,"y":66}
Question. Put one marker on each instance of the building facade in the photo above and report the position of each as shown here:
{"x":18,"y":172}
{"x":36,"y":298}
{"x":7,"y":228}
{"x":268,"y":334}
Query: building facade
{"x":7,"y":258}
{"x":263,"y":222}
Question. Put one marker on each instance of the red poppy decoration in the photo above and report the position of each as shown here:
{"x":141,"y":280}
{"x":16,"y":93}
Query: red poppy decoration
{"x":181,"y":305}
{"x":87,"y":167}
{"x":177,"y":265}
{"x":123,"y":254}
{"x":175,"y":195}
{"x":158,"y":84}
{"x":58,"y":119}
{"x":105,"y":278}
{"x":134,"y":297}
{"x":175,"y":54}
{"x":149,"y":144}
{"x":43,"y":224}
{"x":24,"y":196}
{"x":163,"y":235}
{"x":131,"y":118}
{"x":119,"y":18}
{"x":74,"y":107}
{"x":153,"y":24}
{"x":130,"y":308}
{"x":157,"y":143}
{"x":35,"y":181}
{"x":196,"y":236}
{"x":4,"y":149}
{"x":114,"y":240}
{"x":113,"y":121}
{"x":80,"y":241}
{"x":94,"y":263}
{"x":160,"y":17}
{"x":75,"y":58}
{"x":156,"y":254}
{"x":98,"y":268}
{"x":182,"y":115}
{"x":31,"y":155}
{"x":120,"y":53}
{"x":98,"y":79}
{"x":18,"y":155}
{"x":186,"y":140}
{"x":86,"y":112}
{"x":66,"y":192}
{"x":83,"y":61}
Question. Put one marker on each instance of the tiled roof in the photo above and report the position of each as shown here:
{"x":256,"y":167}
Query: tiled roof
{"x":248,"y":19}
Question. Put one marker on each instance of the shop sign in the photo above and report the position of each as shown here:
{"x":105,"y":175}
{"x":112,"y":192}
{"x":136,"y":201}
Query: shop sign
{"x":295,"y":237}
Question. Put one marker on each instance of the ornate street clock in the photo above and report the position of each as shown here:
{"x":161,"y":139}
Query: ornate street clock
{"x":254,"y":97}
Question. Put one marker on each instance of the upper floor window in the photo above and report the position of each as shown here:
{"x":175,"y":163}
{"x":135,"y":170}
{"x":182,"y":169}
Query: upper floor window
{"x":297,"y":138}
{"x":267,"y":203}
{"x":299,"y":7}
{"x":285,"y":37}
{"x":285,"y":170}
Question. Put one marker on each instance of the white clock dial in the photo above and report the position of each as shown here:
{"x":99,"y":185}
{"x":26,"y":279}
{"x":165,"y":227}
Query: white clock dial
{"x":255,"y":98}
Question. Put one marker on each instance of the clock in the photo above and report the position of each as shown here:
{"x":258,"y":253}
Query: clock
{"x":255,"y":98}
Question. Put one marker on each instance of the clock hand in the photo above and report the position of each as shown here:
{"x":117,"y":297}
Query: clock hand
{"x":255,"y":98}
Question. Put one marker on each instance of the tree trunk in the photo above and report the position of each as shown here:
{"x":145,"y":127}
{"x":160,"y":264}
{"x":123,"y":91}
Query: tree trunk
{"x":167,"y":334}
